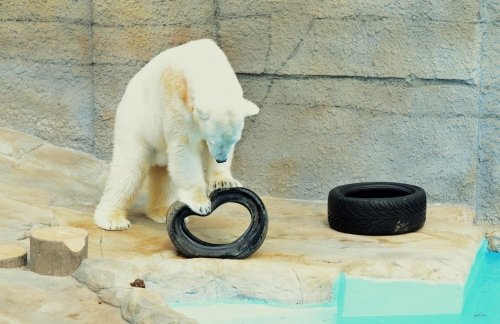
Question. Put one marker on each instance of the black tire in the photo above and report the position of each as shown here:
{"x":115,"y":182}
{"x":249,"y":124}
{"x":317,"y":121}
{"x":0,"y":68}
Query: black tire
{"x":192,"y":247}
{"x":377,"y":208}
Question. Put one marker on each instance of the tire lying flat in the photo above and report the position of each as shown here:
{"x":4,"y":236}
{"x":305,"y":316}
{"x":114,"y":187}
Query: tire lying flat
{"x":192,"y":247}
{"x":377,"y":208}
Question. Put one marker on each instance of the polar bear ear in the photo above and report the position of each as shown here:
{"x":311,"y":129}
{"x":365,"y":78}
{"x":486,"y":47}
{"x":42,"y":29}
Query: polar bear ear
{"x":249,"y":108}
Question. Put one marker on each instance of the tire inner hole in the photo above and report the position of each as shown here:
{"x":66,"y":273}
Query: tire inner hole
{"x":377,"y":193}
{"x":224,"y":225}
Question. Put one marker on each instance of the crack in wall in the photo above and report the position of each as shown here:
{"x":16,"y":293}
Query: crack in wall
{"x":57,"y":62}
{"x":132,"y":25}
{"x":412,"y":80}
{"x":232,"y":17}
{"x":269,"y":45}
{"x":93,"y":77}
{"x":378,"y":112}
{"x":299,"y":44}
{"x":63,"y":20}
{"x":216,"y":20}
{"x":354,"y":17}
{"x":268,"y":91}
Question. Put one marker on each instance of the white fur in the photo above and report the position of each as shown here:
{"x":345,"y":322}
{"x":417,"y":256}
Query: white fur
{"x":179,"y":113}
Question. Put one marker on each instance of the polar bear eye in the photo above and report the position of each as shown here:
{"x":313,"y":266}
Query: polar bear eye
{"x":203,"y":114}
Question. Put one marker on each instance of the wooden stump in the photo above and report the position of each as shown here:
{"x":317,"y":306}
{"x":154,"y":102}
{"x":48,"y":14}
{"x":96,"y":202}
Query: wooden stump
{"x":12,"y":256}
{"x":57,"y":251}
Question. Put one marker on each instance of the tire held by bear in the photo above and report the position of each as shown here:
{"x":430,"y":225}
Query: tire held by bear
{"x":250,"y":241}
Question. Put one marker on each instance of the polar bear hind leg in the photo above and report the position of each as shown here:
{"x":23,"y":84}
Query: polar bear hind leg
{"x":126,"y":175}
{"x":159,"y":187}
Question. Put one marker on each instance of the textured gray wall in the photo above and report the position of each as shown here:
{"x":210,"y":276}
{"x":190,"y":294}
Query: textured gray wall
{"x":45,"y":70}
{"x":349,"y":90}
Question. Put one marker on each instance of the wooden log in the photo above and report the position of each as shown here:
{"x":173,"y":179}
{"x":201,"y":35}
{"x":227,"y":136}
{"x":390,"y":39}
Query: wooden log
{"x":12,"y":256}
{"x":57,"y":251}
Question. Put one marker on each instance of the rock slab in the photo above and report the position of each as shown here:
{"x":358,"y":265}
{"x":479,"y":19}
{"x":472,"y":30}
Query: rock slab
{"x":44,"y":186}
{"x":493,"y":240}
{"x":27,"y":297}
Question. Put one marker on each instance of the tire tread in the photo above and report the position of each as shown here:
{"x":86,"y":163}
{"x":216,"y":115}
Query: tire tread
{"x":377,"y":216}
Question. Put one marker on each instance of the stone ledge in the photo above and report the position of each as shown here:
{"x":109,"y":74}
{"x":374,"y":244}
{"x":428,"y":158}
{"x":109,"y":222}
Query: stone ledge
{"x":297,"y":264}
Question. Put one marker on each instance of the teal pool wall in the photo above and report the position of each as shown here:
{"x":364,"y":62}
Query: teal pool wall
{"x":364,"y":297}
{"x":363,"y":300}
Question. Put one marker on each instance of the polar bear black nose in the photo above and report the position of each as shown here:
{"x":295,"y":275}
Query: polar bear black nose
{"x":221,"y":160}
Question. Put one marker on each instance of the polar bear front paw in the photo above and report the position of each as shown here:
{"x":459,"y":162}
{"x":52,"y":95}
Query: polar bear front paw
{"x":197,"y":200}
{"x":202,"y":209}
{"x":222,"y":182}
{"x":115,"y":220}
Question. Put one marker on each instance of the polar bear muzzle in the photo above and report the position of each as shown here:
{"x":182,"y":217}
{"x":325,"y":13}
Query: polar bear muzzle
{"x":219,"y":152}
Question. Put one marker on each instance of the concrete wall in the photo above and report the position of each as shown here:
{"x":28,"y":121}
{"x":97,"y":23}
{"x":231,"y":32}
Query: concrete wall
{"x":349,"y":90}
{"x":46,"y":75}
{"x":488,"y":178}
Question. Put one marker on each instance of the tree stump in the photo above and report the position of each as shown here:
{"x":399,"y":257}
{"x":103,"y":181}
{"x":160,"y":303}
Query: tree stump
{"x":57,"y":251}
{"x":12,"y":256}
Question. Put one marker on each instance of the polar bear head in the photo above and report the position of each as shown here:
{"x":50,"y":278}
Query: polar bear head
{"x":221,"y":125}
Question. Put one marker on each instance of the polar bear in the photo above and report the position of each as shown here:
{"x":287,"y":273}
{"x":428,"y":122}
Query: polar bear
{"x":177,"y":124}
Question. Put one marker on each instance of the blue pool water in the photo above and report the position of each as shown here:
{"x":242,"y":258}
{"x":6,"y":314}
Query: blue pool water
{"x":479,"y":302}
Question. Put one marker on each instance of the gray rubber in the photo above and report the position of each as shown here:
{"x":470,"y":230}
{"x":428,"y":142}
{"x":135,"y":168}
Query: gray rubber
{"x":190,"y":246}
{"x":377,"y":208}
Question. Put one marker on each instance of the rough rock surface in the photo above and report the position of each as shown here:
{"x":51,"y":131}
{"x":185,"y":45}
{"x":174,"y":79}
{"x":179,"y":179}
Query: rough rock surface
{"x":27,"y":297}
{"x":493,"y":240}
{"x":44,"y":185}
